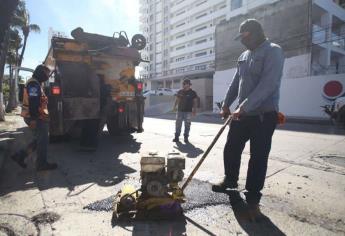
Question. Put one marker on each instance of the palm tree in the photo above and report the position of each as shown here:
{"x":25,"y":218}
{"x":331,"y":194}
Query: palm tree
{"x":6,"y":16}
{"x":21,"y":21}
{"x":12,"y":60}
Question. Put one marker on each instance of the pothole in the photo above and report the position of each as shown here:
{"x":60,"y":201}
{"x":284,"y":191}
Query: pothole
{"x":198,"y":195}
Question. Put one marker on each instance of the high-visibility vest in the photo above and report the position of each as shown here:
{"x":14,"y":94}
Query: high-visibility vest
{"x":43,"y":108}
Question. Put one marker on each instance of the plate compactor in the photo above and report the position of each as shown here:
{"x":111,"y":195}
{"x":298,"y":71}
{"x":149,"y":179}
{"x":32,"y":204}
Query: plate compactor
{"x":160,"y":194}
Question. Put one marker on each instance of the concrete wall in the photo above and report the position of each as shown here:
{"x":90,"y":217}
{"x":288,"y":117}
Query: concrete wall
{"x":285,"y":22}
{"x":300,"y":97}
{"x":202,"y":86}
{"x":153,"y":100}
{"x":204,"y":89}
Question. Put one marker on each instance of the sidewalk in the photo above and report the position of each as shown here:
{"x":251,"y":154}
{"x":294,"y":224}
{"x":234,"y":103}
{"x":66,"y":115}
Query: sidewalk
{"x":8,"y":133}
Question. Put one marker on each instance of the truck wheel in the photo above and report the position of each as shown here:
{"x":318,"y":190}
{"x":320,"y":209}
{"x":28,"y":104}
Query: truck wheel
{"x":138,"y":41}
{"x":115,"y":130}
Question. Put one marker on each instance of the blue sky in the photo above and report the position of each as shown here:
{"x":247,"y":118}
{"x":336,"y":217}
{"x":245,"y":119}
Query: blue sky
{"x":94,"y":16}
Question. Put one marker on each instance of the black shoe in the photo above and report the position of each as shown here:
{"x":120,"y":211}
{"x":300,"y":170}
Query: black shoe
{"x":46,"y":166}
{"x":19,"y":157}
{"x":176,"y":140}
{"x":254,"y":212}
{"x":186,"y":140}
{"x":223,"y":185}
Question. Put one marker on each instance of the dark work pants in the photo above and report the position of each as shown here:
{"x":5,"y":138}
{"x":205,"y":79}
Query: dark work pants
{"x":42,"y":139}
{"x":39,"y":143}
{"x":259,"y":130}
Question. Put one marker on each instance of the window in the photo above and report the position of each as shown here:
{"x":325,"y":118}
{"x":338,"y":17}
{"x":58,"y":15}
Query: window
{"x":200,"y":3}
{"x":200,"y":54}
{"x":180,"y":13}
{"x":200,"y":28}
{"x":236,"y":4}
{"x":181,"y":47}
{"x":180,"y":36}
{"x":202,"y":15}
{"x":200,"y":67}
{"x":201,"y":41}
{"x":180,"y":70}
{"x":179,"y":25}
{"x":180,"y":59}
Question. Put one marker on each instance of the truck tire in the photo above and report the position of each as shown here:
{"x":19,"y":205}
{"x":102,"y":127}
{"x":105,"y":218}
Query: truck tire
{"x":115,"y":130}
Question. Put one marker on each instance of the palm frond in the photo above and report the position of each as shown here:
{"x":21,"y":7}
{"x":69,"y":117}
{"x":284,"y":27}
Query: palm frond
{"x":34,"y":28}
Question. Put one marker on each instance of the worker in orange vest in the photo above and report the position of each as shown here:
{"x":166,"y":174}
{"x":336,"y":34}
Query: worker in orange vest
{"x":35,"y":114}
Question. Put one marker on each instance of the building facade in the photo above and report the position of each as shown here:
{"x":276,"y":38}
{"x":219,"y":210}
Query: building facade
{"x":180,"y":36}
{"x":312,"y":34}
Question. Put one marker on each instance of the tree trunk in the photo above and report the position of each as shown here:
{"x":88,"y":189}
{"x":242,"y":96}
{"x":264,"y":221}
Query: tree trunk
{"x":2,"y":69}
{"x":23,"y":50}
{"x":12,"y":97}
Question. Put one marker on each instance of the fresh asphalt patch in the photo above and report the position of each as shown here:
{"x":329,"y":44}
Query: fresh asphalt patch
{"x":198,"y":195}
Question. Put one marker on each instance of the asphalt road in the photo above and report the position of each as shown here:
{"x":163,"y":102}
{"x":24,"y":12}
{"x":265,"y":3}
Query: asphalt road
{"x":303,"y":195}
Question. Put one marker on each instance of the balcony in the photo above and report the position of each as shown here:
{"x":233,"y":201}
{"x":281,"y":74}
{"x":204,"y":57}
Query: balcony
{"x":319,"y":34}
{"x":337,"y":41}
{"x":195,"y":10}
{"x":193,"y":48}
{"x":193,"y":36}
{"x":320,"y":38}
{"x":199,"y":21}
{"x":193,"y":61}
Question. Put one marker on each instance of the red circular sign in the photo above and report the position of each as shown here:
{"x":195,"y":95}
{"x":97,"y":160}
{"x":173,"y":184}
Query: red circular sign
{"x":332,"y":89}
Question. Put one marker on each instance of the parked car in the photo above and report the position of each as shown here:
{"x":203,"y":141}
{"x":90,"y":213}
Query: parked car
{"x":165,"y":91}
{"x":149,"y":92}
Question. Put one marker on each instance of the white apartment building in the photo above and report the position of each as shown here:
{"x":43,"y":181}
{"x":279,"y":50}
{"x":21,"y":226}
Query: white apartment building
{"x":312,"y":34}
{"x":180,"y":40}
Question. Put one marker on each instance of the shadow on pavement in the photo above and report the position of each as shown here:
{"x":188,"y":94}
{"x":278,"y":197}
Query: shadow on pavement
{"x":312,"y":128}
{"x":250,"y":222}
{"x":190,"y":150}
{"x":296,"y":126}
{"x":102,"y":167}
{"x":153,"y":225}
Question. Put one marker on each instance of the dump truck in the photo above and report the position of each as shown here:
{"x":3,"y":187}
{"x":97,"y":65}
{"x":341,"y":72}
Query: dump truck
{"x":93,"y":83}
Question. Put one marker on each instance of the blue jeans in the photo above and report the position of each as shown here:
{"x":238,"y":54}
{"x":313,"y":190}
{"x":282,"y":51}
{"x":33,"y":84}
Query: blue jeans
{"x":186,"y":117}
{"x":259,"y":130}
